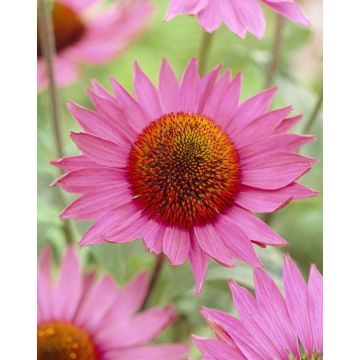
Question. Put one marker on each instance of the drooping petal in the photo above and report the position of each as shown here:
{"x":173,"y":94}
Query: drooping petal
{"x":176,"y":244}
{"x":191,"y":7}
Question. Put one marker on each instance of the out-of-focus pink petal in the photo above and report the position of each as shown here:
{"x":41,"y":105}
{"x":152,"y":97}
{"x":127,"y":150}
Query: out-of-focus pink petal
{"x":69,"y":282}
{"x":191,"y":7}
{"x":315,"y":290}
{"x":176,"y":244}
{"x":212,"y":244}
{"x":215,"y":349}
{"x":297,"y":300}
{"x":66,"y":70}
{"x":142,"y":328}
{"x":45,"y":291}
{"x":289,"y":9}
{"x":274,"y":170}
{"x":158,"y":352}
{"x":79,"y":5}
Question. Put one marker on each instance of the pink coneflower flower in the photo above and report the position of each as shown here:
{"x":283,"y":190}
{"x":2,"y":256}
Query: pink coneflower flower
{"x":81,"y":37}
{"x":270,"y":326}
{"x":183,"y":167}
{"x":240,"y":16}
{"x":84,"y":318}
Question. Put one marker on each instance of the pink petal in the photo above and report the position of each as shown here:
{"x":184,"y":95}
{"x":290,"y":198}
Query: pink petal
{"x":255,"y":229}
{"x":191,"y":7}
{"x":153,"y":235}
{"x":158,"y":352}
{"x":215,"y":349}
{"x":176,"y":244}
{"x":89,"y":206}
{"x":315,"y":291}
{"x":71,"y":163}
{"x":79,"y":5}
{"x":131,"y":297}
{"x":70,"y":282}
{"x":245,"y":15}
{"x":288,"y":124}
{"x":168,"y":89}
{"x":66,"y":70}
{"x":296,"y":297}
{"x":101,"y":151}
{"x":142,"y":328}
{"x":266,"y":201}
{"x":271,"y":300}
{"x":210,"y":17}
{"x":251,"y":109}
{"x":279,"y":142}
{"x":146,"y":94}
{"x":199,"y":261}
{"x":257,"y":323}
{"x":99,"y":300}
{"x":237,"y":241}
{"x":212,"y":244}
{"x":289,"y":9}
{"x":274,"y":170}
{"x":190,"y":88}
{"x":259,"y":128}
{"x":45,"y":292}
{"x":90,"y":179}
{"x":96,"y":123}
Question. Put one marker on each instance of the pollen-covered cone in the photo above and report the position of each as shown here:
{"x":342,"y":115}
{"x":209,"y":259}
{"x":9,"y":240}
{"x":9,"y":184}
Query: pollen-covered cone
{"x":183,"y":167}
{"x":240,"y":16}
{"x":87,"y":32}
{"x":270,"y":325}
{"x":85,"y":318}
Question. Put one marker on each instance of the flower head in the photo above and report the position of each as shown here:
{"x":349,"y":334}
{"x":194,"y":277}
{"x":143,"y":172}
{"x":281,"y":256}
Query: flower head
{"x":183,"y":166}
{"x":81,"y":37}
{"x":240,"y":16}
{"x":84,"y":318}
{"x":271,"y":325}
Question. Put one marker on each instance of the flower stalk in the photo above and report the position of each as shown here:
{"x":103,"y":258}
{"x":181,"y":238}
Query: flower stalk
{"x":206,"y":41}
{"x":47,"y":43}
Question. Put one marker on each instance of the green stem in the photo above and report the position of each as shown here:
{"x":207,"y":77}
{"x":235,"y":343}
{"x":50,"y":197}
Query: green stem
{"x":205,"y":46}
{"x":276,"y":51}
{"x":310,"y":123}
{"x":47,"y":43}
{"x":154,"y":279}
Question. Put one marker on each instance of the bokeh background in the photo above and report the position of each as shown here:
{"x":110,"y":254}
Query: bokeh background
{"x":299,"y":79}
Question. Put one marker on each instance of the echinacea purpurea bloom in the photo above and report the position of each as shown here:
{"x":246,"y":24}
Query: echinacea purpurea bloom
{"x":183,"y":167}
{"x":86,"y":36}
{"x":270,"y":325}
{"x":82,"y":317}
{"x":240,"y":16}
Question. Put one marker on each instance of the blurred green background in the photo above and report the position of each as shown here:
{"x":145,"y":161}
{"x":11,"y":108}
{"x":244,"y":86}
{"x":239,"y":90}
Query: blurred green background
{"x":300,"y":82}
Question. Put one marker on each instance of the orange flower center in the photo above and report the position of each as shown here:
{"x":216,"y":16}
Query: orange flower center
{"x":64,"y":341}
{"x":183,"y":170}
{"x":68,"y":27}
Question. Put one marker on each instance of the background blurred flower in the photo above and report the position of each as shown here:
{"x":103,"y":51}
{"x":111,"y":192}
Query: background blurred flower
{"x":270,"y":325}
{"x":240,"y":16}
{"x":86,"y":318}
{"x":183,"y":167}
{"x":83,"y":36}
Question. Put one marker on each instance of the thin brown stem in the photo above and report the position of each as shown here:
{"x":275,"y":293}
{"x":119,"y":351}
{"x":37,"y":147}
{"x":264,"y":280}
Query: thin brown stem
{"x":276,"y":51}
{"x":205,"y":46}
{"x":310,"y":123}
{"x":154,"y":279}
{"x":47,"y":43}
